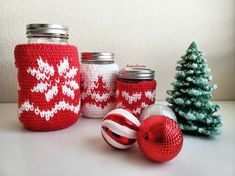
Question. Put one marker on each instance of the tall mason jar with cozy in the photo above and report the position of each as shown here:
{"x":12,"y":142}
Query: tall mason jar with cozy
{"x":48,"y":78}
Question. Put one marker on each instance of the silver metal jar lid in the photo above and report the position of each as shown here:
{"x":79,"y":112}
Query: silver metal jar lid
{"x":136,"y":73}
{"x":48,"y":30}
{"x":97,"y":57}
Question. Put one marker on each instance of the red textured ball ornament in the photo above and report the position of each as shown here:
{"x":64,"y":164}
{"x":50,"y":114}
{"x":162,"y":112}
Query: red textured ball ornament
{"x":160,"y":138}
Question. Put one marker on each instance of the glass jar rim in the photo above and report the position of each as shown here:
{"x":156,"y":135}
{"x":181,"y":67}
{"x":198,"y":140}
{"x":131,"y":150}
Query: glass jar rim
{"x":47,"y":30}
{"x":97,"y":57}
{"x":132,"y":73}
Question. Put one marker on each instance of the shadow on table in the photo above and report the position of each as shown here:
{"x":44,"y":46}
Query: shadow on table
{"x":131,"y":155}
{"x":200,"y":137}
{"x":12,"y":126}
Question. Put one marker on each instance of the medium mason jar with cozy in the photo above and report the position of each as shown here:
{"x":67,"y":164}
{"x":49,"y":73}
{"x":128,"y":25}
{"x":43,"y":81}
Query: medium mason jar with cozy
{"x":98,"y":76}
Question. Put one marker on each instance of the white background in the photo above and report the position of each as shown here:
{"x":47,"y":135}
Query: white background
{"x":151,"y":32}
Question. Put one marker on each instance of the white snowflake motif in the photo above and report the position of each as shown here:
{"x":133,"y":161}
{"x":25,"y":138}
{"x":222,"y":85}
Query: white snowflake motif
{"x":49,"y":87}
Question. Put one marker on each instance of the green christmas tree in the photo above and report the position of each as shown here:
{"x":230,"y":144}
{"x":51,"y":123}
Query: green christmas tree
{"x":191,"y":94}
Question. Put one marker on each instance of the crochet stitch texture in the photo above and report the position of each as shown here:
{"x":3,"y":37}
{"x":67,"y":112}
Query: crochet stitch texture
{"x":98,"y":89}
{"x":135,"y":96}
{"x":48,"y":85}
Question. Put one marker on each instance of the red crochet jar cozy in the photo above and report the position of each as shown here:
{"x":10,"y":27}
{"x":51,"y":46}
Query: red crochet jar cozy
{"x":135,"y":96}
{"x":48,"y":91}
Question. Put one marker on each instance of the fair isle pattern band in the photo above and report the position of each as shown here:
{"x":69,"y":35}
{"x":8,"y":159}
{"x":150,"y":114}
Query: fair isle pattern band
{"x":119,"y":128}
{"x":48,"y":114}
{"x":135,"y":96}
{"x":98,"y":89}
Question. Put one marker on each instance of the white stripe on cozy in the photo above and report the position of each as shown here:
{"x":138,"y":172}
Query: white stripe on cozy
{"x":113,"y":142}
{"x":119,"y":129}
{"x":49,"y":113}
{"x":126,"y":114}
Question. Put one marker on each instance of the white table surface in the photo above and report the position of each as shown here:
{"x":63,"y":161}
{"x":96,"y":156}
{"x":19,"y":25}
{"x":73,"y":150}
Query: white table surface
{"x":80,"y":150}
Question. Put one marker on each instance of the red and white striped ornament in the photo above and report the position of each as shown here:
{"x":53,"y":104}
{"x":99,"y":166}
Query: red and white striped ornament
{"x":119,"y":128}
